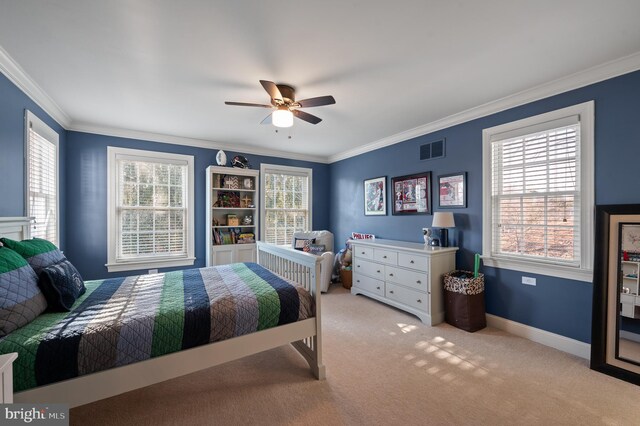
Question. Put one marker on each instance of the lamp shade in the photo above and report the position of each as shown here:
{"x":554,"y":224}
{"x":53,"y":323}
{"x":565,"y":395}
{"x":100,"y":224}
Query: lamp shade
{"x":282,"y":117}
{"x":443,"y":220}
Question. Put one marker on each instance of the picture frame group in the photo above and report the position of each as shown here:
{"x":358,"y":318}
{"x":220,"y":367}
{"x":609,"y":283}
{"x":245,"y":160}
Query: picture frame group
{"x":411,"y":194}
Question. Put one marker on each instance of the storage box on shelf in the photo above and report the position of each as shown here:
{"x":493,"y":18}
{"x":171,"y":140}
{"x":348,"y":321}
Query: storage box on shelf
{"x":403,"y":274}
{"x":232,"y":209}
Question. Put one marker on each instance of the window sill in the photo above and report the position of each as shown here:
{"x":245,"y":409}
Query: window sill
{"x":149,"y":264}
{"x":558,"y":271}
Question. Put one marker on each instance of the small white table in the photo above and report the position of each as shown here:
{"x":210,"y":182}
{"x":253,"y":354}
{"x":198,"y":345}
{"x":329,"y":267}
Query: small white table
{"x":6,"y":377}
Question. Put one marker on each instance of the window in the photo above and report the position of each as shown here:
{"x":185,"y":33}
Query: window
{"x":286,"y":206}
{"x":41,"y":183}
{"x":150,"y":209}
{"x":538,"y":194}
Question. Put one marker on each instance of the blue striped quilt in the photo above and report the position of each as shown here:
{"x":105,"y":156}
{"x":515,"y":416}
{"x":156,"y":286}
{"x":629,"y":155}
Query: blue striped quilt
{"x":120,"y":321}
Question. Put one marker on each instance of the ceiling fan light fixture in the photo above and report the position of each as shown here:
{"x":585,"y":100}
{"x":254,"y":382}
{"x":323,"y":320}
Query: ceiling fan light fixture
{"x":282,"y":117}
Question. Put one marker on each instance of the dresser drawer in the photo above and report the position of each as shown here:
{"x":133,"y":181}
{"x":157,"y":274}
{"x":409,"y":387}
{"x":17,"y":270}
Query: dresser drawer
{"x":369,"y":284}
{"x":385,"y":256}
{"x":414,"y":261}
{"x":415,"y":279}
{"x":408,"y":297}
{"x":369,"y":268}
{"x":363,"y":252}
{"x":627,"y":298}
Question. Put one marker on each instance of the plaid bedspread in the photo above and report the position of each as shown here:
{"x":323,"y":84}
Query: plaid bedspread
{"x":120,"y":321}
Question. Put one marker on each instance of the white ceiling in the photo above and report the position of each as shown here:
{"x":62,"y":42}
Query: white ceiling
{"x":166,"y":67}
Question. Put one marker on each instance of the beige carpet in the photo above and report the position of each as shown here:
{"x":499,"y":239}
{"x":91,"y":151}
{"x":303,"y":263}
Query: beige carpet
{"x":384,"y":367}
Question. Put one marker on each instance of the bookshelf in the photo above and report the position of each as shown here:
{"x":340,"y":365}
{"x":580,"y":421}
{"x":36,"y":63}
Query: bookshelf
{"x":232,"y":213}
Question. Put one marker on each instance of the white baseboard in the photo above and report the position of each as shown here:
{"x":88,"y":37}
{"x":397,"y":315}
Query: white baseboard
{"x":630,"y":336}
{"x":562,"y":343}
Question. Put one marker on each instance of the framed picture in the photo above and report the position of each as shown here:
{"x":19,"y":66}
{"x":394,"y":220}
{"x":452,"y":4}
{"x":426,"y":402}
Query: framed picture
{"x":412,"y":194}
{"x":616,"y":287}
{"x":375,"y":198}
{"x":452,"y":191}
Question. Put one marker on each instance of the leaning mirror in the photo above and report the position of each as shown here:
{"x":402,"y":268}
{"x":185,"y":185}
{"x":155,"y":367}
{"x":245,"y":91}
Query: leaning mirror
{"x":615,"y":338}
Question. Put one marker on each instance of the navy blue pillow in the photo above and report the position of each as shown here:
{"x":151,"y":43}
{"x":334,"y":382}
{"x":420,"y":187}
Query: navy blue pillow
{"x":61,"y":285}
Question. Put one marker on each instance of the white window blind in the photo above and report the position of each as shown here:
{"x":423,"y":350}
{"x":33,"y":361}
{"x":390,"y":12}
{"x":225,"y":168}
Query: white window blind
{"x":286,"y":203}
{"x":536,"y":195}
{"x":42,"y":178}
{"x":151,"y":209}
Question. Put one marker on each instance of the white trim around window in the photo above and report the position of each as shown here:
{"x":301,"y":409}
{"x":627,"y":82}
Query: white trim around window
{"x":42,"y":178}
{"x":583,"y":271}
{"x":270,"y":169}
{"x":116,"y":157}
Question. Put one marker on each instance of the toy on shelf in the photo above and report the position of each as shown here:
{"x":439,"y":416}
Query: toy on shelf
{"x":227,"y":199}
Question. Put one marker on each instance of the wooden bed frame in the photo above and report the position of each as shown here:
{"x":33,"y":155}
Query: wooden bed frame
{"x":305,"y":336}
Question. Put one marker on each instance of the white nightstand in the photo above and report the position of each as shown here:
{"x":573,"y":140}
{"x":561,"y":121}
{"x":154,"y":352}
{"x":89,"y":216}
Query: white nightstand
{"x":6,"y":377}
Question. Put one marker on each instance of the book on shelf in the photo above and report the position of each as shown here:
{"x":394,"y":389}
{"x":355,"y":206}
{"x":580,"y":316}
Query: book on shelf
{"x":232,"y":236}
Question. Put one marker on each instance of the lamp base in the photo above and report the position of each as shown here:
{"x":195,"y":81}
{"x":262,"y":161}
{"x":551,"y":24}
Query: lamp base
{"x":444,"y":237}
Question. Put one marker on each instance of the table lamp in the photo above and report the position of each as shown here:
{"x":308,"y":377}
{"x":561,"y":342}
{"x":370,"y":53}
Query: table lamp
{"x":443,"y":220}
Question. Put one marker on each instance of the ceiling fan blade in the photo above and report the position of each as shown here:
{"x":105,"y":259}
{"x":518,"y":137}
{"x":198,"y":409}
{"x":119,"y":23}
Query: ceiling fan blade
{"x":267,"y":120}
{"x":319,"y":101}
{"x":272,"y":90}
{"x":306,"y":116}
{"x":246,"y":104}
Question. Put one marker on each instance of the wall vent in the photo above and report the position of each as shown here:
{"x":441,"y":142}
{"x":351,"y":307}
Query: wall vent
{"x":432,"y":150}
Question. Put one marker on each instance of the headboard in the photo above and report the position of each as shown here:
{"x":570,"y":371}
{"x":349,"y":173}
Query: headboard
{"x":16,"y":228}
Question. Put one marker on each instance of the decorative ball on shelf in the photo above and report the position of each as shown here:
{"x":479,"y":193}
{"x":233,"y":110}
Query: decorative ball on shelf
{"x":221,"y":158}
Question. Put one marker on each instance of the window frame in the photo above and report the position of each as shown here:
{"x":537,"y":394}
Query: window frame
{"x":584,"y":272}
{"x":273,"y":168}
{"x":31,"y":121}
{"x":159,"y":261}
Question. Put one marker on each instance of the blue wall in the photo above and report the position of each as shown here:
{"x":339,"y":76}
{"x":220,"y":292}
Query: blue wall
{"x":87,"y":196}
{"x":13,"y":103}
{"x":557,"y":305}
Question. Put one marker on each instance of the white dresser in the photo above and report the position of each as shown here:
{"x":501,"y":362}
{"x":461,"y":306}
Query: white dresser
{"x":402,"y":274}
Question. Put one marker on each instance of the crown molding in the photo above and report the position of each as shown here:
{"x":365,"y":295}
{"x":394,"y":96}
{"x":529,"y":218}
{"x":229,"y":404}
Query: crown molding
{"x":589,"y":76}
{"x":198,"y":143}
{"x":24,"y":82}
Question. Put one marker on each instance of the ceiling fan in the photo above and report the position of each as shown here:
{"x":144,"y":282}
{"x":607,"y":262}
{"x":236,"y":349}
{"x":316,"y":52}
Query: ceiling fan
{"x":283,"y":100}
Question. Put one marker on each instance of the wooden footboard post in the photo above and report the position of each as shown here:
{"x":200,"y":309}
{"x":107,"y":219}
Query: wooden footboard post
{"x":317,"y":366}
{"x":304,"y":269}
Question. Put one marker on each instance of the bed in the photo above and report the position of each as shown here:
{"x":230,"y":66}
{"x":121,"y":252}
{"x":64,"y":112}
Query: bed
{"x":161,"y":326}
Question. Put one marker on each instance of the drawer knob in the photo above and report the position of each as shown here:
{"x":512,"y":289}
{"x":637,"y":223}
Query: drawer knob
{"x":418,"y":282}
{"x":362,"y":252}
{"x":378,"y":288}
{"x":378,"y":270}
{"x":384,"y":257}
{"x":357,"y":281}
{"x":419,"y":301}
{"x":391,"y":291}
{"x":412,"y":261}
{"x":390,"y":275}
{"x":358,"y":266}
